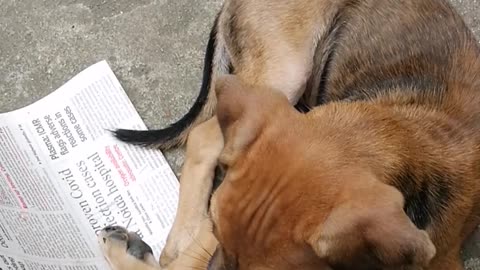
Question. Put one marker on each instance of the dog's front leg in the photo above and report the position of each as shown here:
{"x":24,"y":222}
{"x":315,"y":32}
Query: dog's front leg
{"x":190,"y":239}
{"x":190,"y":242}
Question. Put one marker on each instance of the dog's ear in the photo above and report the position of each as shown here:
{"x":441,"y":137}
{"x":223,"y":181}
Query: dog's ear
{"x":371,"y":230}
{"x":235,"y":101}
{"x":243,"y":111}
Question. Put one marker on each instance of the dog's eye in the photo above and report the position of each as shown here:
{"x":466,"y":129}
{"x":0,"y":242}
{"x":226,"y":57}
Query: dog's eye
{"x":220,"y":171}
{"x":223,"y":167}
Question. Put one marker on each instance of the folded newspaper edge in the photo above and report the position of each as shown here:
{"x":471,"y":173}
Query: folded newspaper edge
{"x":64,"y":177}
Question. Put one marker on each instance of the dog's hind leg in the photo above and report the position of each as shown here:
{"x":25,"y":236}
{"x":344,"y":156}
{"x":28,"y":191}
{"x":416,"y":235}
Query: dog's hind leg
{"x":190,"y":242}
{"x":191,"y":229}
{"x":284,"y":46}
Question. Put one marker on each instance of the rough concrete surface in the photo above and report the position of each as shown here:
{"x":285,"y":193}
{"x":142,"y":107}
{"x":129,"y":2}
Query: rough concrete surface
{"x":155,"y":47}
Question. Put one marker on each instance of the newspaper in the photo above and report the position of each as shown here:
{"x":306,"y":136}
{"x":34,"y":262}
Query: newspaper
{"x":63,"y":177}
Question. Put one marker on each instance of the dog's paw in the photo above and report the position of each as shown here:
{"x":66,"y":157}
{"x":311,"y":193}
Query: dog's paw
{"x":124,"y":249}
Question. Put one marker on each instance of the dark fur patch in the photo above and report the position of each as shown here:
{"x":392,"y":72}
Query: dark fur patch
{"x":302,"y":106}
{"x":375,"y":88}
{"x":333,"y":34}
{"x":427,"y":194}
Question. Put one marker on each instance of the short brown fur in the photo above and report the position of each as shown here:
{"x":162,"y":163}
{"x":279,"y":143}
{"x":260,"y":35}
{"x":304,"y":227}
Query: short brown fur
{"x":347,"y":182}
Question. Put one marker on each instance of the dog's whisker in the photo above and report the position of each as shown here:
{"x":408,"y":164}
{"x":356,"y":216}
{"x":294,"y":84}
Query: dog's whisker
{"x":194,"y":267}
{"x":200,"y":259}
{"x":200,"y":256}
{"x":200,"y":245}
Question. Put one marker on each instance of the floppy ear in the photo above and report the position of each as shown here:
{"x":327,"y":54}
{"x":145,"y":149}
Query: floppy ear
{"x":242,"y":111}
{"x":235,"y":103}
{"x":371,"y":230}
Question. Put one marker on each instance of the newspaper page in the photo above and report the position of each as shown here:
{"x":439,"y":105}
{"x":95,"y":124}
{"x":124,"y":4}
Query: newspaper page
{"x":63,"y":177}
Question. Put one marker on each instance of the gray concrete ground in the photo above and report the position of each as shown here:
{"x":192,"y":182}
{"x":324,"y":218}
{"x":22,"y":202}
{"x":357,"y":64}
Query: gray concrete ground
{"x":155,"y":47}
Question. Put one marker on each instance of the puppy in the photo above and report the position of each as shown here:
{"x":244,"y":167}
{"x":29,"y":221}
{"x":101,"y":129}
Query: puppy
{"x":318,"y":52}
{"x":390,"y":181}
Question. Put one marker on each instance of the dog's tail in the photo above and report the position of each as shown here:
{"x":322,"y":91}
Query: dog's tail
{"x":176,"y":134}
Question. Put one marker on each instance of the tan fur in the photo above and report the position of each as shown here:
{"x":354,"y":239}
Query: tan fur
{"x":204,"y":145}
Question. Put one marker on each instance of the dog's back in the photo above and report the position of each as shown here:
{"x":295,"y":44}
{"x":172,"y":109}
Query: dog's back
{"x":415,"y":57}
{"x":381,"y":46}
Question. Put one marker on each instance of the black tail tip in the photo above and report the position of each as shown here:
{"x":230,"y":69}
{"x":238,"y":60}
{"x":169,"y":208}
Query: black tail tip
{"x":163,"y":139}
{"x":138,"y":137}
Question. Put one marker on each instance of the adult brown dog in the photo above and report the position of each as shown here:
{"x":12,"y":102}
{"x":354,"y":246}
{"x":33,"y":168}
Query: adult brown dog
{"x":389,"y":178}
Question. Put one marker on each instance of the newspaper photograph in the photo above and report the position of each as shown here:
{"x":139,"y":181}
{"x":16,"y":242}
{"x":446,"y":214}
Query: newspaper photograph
{"x":64,"y":177}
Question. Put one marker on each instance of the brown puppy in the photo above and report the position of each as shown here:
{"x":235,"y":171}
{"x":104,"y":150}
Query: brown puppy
{"x":387,"y":182}
{"x":399,"y":52}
